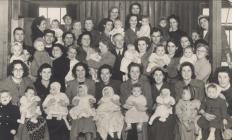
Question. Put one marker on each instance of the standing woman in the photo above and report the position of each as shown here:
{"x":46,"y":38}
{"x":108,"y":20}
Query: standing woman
{"x":161,"y":130}
{"x":135,"y":76}
{"x":174,"y":31}
{"x":130,"y":33}
{"x":134,"y":9}
{"x":114,"y":13}
{"x":37,"y":28}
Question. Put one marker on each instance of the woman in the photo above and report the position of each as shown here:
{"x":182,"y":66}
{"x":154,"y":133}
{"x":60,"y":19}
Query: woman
{"x":187,"y":77}
{"x":37,"y":28}
{"x":68,"y":39}
{"x":202,"y":65}
{"x":60,"y":64}
{"x":17,"y":80}
{"x":203,"y":22}
{"x":142,"y":44}
{"x":43,"y":81}
{"x":172,"y":68}
{"x":134,"y":9}
{"x":105,"y":74}
{"x":185,"y":41}
{"x":161,"y":130}
{"x":174,"y":32}
{"x":130,"y":33}
{"x":135,"y":76}
{"x":114,"y":13}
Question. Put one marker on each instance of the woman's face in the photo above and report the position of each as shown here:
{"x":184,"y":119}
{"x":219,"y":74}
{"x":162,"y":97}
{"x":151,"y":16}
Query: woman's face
{"x":80,"y":72}
{"x":173,"y":23}
{"x":184,"y":41}
{"x":135,"y":9}
{"x":103,"y":48}
{"x":46,"y":74}
{"x":18,"y":71}
{"x":133,"y":21}
{"x":134,"y":73}
{"x":223,"y":79}
{"x":201,"y":52}
{"x":85,"y":41}
{"x":68,"y":20}
{"x":186,"y":73}
{"x":109,"y":26}
{"x":68,"y":39}
{"x":105,"y":75}
{"x":171,"y":48}
{"x":56,"y":52}
{"x":142,"y":46}
{"x":156,"y":37}
{"x":158,"y":77}
{"x":204,"y":23}
{"x":72,"y":53}
{"x":77,"y":26}
{"x":114,"y":14}
{"x":42,"y":25}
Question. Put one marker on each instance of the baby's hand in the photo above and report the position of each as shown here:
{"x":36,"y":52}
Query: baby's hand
{"x":225,"y":122}
{"x":92,"y":101}
{"x":13,"y":132}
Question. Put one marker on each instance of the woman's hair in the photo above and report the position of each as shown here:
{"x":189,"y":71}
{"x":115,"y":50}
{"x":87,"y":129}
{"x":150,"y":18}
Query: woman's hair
{"x":68,"y":32}
{"x":31,"y":51}
{"x":175,"y":43}
{"x":163,"y":72}
{"x":66,"y":15}
{"x":139,"y":5}
{"x":105,"y":66}
{"x":11,"y":68}
{"x":36,"y":22}
{"x":81,"y":36}
{"x":174,"y":17}
{"x":145,"y":39}
{"x":219,"y":70}
{"x":59,"y":46}
{"x":189,"y":38}
{"x":103,"y":23}
{"x":132,"y":64}
{"x":81,"y":64}
{"x":41,"y":68}
{"x":128,"y":21}
{"x":111,"y":10}
{"x":191,"y":67}
{"x":155,"y":29}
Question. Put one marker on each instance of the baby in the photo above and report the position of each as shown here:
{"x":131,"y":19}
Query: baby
{"x":17,"y":52}
{"x":145,"y":29}
{"x":83,"y":104}
{"x":118,"y":28}
{"x":158,"y":59}
{"x":137,"y":106}
{"x":188,"y":56}
{"x":58,"y":32}
{"x":164,"y":106}
{"x":29,"y":107}
{"x":109,"y":118}
{"x":40,"y":56}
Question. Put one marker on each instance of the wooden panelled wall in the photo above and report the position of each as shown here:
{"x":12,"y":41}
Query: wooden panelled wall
{"x":187,"y":10}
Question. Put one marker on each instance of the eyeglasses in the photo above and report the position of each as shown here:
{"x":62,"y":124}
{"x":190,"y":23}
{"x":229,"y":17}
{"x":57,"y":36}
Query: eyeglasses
{"x":201,"y":50}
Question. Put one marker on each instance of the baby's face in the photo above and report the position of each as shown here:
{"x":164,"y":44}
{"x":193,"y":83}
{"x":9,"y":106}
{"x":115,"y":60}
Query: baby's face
{"x":186,"y":95}
{"x":39,"y":46}
{"x":131,"y":47}
{"x":163,"y":23}
{"x":55,"y":88}
{"x":77,"y":25}
{"x":107,"y":92}
{"x":188,"y":53}
{"x":117,"y":24}
{"x":160,"y":51}
{"x":145,"y":21}
{"x":212,"y":93}
{"x":30,"y":93}
{"x":136,"y":91}
{"x":55,"y":25}
{"x":165,"y":93}
{"x":5,"y":98}
{"x":82,"y":91}
{"x":17,"y":50}
{"x":195,"y":36}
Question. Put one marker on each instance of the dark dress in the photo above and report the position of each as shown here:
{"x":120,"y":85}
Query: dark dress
{"x":228,"y":94}
{"x":41,"y":90}
{"x":8,"y":120}
{"x":162,"y":130}
{"x":35,"y":33}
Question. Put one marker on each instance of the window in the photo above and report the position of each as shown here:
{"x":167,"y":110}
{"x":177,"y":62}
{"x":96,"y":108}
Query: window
{"x":226,"y":21}
{"x":53,"y":13}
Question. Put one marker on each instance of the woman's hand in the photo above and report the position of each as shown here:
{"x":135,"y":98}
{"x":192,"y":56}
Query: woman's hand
{"x":209,"y":117}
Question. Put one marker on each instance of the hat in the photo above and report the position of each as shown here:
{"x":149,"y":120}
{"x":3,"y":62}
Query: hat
{"x":202,"y":16}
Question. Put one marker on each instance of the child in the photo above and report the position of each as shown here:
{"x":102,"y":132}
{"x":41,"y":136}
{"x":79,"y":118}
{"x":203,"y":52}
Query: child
{"x":40,"y":56}
{"x":216,"y":106}
{"x":118,"y":28}
{"x":188,"y":56}
{"x":8,"y":116}
{"x":76,"y":29}
{"x":131,"y":55}
{"x":187,"y":112}
{"x":165,"y":102}
{"x":163,"y":26}
{"x":136,"y":105}
{"x":58,"y":32}
{"x":17,"y":52}
{"x":195,"y":36}
{"x":158,"y":59}
{"x":82,"y":104}
{"x":109,"y":119}
{"x":29,"y":106}
{"x":145,"y":29}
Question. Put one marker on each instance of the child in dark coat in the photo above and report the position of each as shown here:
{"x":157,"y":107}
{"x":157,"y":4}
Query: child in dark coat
{"x":9,"y":114}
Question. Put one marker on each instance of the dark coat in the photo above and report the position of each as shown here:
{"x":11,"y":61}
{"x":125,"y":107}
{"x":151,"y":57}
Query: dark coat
{"x":116,"y":73}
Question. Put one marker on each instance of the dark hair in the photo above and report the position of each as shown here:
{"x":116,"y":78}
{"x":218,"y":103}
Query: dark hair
{"x":104,"y":66}
{"x":41,"y":68}
{"x":132,"y":64}
{"x":111,"y":10}
{"x":155,"y":29}
{"x":145,"y":39}
{"x":84,"y":65}
{"x":191,"y":90}
{"x":104,"y":22}
{"x":163,"y":72}
{"x":174,"y":17}
{"x":175,"y":43}
{"x":137,"y":4}
{"x":11,"y":68}
{"x":31,"y":51}
{"x":222,"y":69}
{"x":49,"y":31}
{"x":211,"y":85}
{"x":37,"y":21}
{"x":59,"y":46}
{"x":128,"y":21}
{"x":29,"y":87}
{"x":18,"y":29}
{"x":5,"y":91}
{"x":191,"y":67}
{"x":81,"y":36}
{"x":136,"y":85}
{"x":160,"y":45}
{"x":66,"y":16}
{"x":190,"y":39}
{"x":69,"y":32}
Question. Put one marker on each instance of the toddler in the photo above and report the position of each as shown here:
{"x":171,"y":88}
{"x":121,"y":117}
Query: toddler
{"x":164,"y":106}
{"x":158,"y":59}
{"x":109,"y":119}
{"x":40,"y":56}
{"x":118,"y":28}
{"x":213,"y":105}
{"x":188,"y":56}
{"x":187,"y":112}
{"x":137,"y":106}
{"x":55,"y":26}
{"x":29,"y":107}
{"x":17,"y":52}
{"x":83,"y":104}
{"x":145,"y":29}
{"x":9,"y":114}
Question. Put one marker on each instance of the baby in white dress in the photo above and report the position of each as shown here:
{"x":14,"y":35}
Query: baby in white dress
{"x":188,"y":56}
